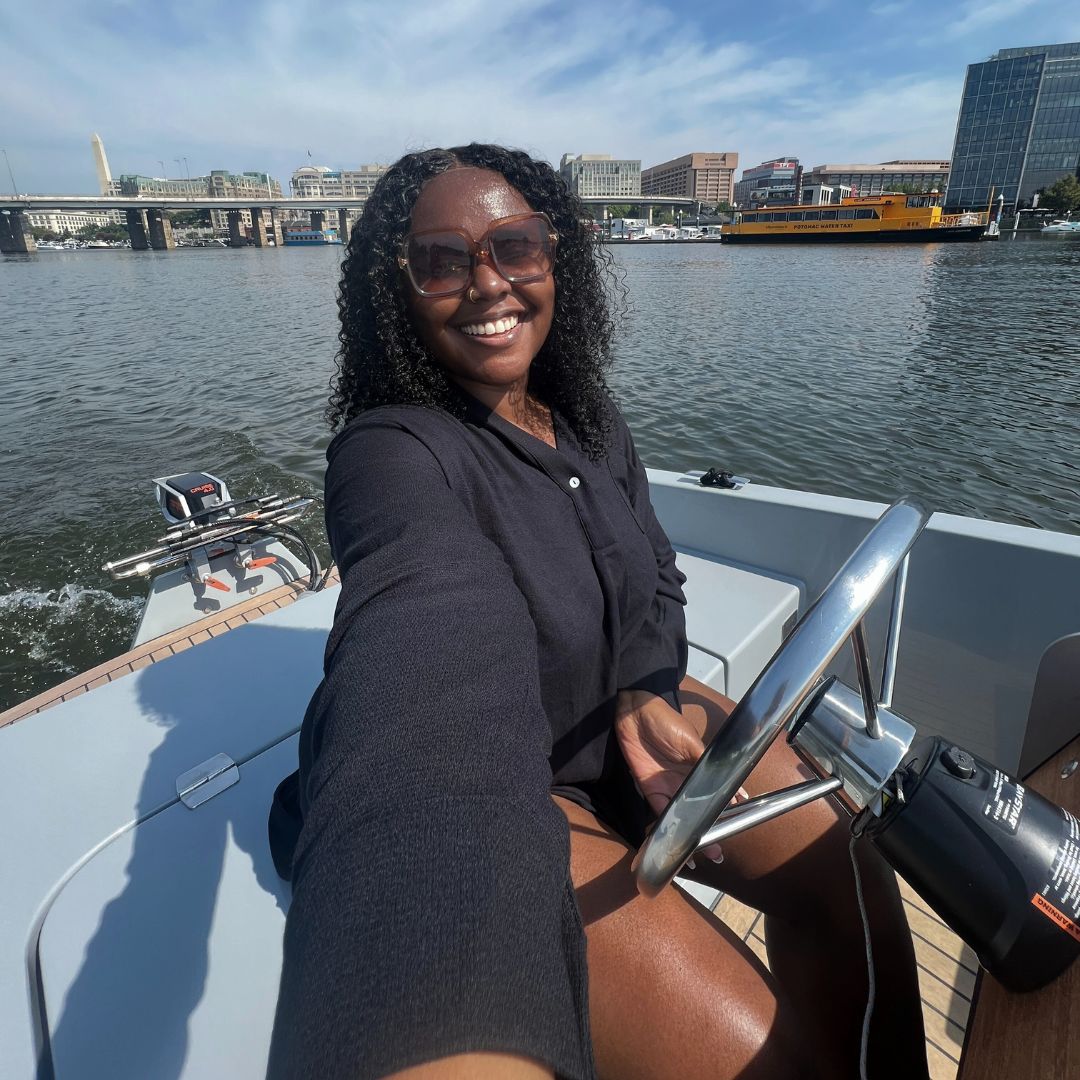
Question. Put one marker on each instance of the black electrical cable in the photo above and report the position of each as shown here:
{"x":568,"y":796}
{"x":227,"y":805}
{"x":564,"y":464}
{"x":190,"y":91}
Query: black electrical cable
{"x":315,"y":570}
{"x":865,"y":1040}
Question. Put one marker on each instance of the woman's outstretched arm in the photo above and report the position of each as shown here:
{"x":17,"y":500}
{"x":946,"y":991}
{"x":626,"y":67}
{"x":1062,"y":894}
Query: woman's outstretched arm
{"x":433,"y":913}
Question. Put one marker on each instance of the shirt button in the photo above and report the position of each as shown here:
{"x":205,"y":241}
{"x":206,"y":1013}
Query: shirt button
{"x":574,"y":482}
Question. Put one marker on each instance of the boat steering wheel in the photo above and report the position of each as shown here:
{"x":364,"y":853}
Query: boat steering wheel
{"x":778,"y":694}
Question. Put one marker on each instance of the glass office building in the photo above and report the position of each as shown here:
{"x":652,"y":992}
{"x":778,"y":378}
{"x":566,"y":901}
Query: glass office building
{"x":1019,"y":126}
{"x":772,"y":183}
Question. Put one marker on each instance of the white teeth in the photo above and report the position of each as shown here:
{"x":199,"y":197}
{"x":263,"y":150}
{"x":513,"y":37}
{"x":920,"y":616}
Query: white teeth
{"x":500,"y":326}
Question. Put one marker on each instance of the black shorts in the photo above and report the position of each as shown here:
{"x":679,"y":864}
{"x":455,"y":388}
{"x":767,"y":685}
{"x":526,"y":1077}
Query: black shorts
{"x":614,"y":800}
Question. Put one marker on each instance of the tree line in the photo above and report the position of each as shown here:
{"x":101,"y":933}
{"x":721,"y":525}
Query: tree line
{"x":1063,"y":195}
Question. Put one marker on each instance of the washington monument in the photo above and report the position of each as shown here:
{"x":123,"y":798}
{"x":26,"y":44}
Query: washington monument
{"x":101,"y":163}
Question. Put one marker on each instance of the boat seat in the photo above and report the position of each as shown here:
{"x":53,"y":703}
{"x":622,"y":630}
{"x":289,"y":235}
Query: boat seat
{"x":736,"y":618}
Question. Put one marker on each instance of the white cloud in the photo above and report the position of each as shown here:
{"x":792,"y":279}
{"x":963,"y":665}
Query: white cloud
{"x":358,"y":81}
{"x":978,"y":14}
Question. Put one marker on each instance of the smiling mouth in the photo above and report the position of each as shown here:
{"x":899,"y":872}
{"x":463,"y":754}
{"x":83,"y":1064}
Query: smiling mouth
{"x":491,"y":327}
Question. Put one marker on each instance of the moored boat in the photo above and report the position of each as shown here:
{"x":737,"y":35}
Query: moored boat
{"x":295,"y":237}
{"x":884,"y":218}
{"x":1062,"y":226}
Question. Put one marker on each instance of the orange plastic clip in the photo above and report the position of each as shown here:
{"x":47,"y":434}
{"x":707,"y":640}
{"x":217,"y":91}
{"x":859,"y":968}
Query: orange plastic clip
{"x":215,"y":584}
{"x":253,"y":564}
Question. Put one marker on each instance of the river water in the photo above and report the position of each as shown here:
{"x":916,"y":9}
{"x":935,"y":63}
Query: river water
{"x":947,"y":371}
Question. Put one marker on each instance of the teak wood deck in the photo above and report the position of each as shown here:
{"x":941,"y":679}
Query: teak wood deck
{"x":958,"y":1044}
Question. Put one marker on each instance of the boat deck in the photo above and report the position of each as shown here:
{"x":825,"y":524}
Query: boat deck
{"x":947,"y":967}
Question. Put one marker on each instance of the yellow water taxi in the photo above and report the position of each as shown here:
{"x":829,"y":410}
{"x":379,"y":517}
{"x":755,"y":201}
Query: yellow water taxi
{"x":890,"y":216}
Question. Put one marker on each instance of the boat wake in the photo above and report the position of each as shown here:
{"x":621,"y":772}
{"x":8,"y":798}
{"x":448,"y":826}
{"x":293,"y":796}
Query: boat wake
{"x":47,"y":635}
{"x":67,"y":600}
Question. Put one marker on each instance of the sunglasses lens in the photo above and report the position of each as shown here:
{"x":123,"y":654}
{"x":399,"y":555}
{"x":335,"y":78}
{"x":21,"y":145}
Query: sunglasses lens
{"x":522,"y":250}
{"x":439,"y":263}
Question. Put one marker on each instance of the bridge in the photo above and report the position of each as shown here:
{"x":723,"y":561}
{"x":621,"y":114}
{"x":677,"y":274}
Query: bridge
{"x":150,"y":228}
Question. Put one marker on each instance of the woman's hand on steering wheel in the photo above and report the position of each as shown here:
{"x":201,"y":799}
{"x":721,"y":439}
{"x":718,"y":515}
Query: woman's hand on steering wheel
{"x":660,"y":747}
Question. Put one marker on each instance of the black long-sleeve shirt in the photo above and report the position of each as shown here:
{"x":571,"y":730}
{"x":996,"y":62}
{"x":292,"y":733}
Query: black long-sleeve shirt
{"x":496,"y":595}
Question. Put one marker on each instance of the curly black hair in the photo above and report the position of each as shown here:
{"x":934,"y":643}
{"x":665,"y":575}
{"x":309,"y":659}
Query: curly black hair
{"x":382,"y":361}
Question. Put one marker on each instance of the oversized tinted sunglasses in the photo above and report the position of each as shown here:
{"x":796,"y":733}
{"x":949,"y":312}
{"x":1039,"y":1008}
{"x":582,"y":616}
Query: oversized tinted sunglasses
{"x":441,"y":262}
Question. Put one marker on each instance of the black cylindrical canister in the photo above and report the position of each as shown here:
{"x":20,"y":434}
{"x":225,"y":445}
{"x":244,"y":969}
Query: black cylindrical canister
{"x":996,"y":861}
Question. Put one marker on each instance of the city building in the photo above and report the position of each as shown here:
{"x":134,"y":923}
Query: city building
{"x":772,"y":183}
{"x":707,"y":177}
{"x":69,"y":221}
{"x":219,"y":184}
{"x":315,"y":182}
{"x":1019,"y":125}
{"x":321,"y":182}
{"x":924,"y":174}
{"x":816,"y":194}
{"x":246,"y":185}
{"x":601,"y":176}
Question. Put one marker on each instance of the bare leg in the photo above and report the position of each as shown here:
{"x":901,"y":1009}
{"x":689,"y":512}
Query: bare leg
{"x":797,"y":870}
{"x":671,"y":991}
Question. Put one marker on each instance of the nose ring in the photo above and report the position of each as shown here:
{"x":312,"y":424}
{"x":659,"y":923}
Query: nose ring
{"x":473,"y":294}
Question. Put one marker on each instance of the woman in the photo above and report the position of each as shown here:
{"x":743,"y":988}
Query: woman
{"x":504,"y":675}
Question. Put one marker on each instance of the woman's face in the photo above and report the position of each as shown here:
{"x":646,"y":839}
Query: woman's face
{"x":471,"y":199}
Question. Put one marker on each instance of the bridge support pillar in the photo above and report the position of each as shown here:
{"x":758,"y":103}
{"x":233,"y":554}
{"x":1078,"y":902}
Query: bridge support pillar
{"x":160,"y":229}
{"x":136,"y":227}
{"x":258,"y":227}
{"x":343,"y":226}
{"x":275,"y":228}
{"x":15,"y":235}
{"x":318,"y":220}
{"x":236,"y":230}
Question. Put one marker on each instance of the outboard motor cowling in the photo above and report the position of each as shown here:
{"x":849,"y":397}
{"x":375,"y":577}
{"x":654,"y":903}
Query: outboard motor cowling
{"x":190,"y":498}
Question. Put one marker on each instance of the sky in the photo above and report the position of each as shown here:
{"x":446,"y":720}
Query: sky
{"x":257,"y":84}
